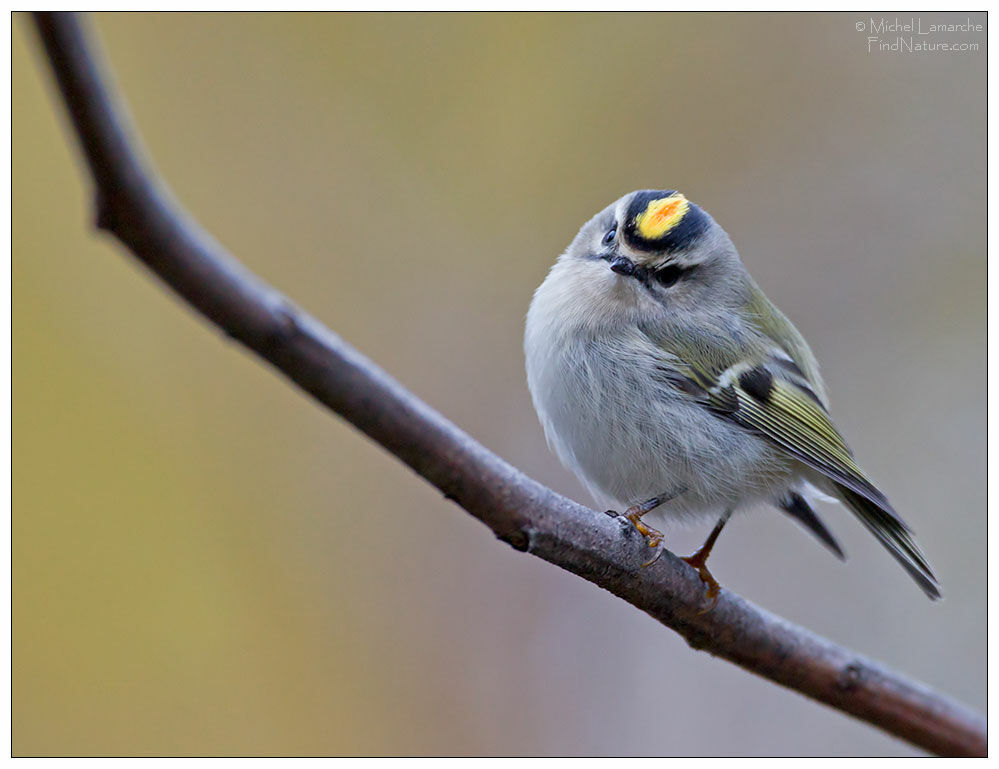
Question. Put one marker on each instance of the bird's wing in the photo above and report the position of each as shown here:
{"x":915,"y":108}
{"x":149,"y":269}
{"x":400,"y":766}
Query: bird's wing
{"x":763,"y":399}
{"x":776,"y":404}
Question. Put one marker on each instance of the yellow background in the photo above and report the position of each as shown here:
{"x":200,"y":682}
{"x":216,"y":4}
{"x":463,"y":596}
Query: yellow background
{"x":205,"y":562}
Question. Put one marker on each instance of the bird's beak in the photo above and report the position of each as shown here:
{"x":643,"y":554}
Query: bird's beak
{"x":622,"y":265}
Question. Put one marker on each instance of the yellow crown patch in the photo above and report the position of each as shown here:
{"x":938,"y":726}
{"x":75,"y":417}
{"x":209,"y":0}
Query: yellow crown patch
{"x":661,"y":216}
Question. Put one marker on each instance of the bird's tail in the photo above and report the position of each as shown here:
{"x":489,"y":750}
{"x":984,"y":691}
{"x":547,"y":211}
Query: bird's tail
{"x":797,"y":507}
{"x":892,"y":532}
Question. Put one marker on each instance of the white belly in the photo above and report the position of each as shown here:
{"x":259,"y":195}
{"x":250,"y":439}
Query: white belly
{"x":631,"y":436}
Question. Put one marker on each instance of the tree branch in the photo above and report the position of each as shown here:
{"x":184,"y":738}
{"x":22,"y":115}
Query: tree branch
{"x":133,"y":206}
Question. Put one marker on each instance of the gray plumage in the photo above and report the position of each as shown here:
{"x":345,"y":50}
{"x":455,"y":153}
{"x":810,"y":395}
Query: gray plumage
{"x":657,"y":366}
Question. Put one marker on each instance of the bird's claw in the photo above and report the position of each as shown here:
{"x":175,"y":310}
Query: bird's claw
{"x":697,"y":560}
{"x":660,"y":547}
{"x":653,"y":538}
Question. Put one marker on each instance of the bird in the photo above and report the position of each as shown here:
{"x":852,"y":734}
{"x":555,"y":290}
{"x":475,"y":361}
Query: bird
{"x":673,"y":388}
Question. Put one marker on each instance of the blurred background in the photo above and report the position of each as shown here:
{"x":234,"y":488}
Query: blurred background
{"x":205,"y":562}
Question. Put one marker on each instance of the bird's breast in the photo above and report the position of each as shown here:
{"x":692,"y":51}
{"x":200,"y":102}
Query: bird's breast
{"x":630,"y":435}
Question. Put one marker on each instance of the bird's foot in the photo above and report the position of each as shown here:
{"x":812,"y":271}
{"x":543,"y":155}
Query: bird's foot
{"x":699,"y":561}
{"x":653,"y":537}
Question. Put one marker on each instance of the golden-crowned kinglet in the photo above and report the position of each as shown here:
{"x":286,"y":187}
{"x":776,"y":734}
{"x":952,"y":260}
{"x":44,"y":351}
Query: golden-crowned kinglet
{"x":667,"y":381}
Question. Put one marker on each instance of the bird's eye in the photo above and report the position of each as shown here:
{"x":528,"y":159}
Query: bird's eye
{"x":670,"y":274}
{"x":611,"y":234}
